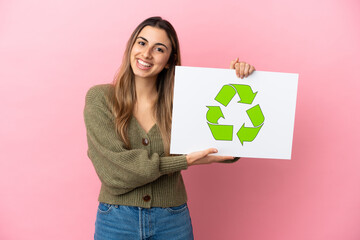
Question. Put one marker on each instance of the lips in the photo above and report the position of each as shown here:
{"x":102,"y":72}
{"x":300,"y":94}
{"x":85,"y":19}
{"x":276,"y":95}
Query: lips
{"x":143,"y":65}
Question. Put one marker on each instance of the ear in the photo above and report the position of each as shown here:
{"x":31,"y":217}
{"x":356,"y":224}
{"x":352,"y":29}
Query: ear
{"x":167,"y":66}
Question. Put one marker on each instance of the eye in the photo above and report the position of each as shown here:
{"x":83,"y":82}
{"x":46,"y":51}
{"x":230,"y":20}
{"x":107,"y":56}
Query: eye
{"x":159,"y":49}
{"x":142,"y":43}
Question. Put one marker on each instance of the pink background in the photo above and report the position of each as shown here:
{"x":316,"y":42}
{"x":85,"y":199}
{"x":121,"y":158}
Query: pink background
{"x":51,"y":52}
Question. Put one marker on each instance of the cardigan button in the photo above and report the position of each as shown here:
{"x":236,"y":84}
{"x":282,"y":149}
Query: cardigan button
{"x":146,"y":198}
{"x":145,"y":141}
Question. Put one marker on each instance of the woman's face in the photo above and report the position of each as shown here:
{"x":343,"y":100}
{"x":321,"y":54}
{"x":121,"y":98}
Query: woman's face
{"x":150,"y":53}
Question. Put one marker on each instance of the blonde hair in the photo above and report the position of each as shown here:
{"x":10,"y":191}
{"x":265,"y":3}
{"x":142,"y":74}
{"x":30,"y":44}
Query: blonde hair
{"x":124,"y":97}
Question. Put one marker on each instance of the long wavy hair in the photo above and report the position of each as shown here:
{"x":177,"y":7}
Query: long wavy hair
{"x":124,"y":97}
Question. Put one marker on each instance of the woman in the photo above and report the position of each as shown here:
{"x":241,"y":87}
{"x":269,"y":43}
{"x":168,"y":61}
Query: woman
{"x":128,"y":126}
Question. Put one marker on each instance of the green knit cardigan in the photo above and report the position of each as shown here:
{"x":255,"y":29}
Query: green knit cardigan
{"x":141,"y":176}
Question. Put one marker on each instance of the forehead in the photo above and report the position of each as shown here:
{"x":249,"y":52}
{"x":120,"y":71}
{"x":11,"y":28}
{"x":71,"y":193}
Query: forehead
{"x":155,"y":35}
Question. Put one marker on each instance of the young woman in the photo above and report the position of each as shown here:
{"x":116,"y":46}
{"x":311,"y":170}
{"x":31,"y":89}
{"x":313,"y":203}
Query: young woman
{"x":128,"y":126}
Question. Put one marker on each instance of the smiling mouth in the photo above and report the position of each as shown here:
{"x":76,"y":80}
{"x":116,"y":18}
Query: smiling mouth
{"x":143,"y":65}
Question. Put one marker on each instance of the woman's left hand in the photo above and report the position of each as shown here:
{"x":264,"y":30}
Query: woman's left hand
{"x":243,"y":69}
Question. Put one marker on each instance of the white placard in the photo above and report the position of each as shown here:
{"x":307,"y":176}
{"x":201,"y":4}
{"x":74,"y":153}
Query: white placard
{"x":250,"y":117}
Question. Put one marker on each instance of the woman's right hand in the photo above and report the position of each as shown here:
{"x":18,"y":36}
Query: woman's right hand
{"x":205,"y":157}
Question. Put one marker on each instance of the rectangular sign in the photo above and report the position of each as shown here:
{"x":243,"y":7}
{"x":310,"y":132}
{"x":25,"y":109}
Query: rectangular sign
{"x":250,"y":117}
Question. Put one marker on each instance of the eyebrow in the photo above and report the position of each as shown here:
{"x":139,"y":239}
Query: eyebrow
{"x":155,"y":43}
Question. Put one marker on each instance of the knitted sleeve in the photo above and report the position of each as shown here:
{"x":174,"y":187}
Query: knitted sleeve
{"x":119,"y":169}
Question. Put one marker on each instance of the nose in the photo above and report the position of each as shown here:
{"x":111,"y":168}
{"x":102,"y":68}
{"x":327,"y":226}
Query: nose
{"x":147,"y":53}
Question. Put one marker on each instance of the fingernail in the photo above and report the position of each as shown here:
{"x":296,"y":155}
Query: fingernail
{"x":215,"y":151}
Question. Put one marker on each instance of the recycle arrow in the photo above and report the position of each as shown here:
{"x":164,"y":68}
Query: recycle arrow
{"x":245,"y":93}
{"x":227,"y":92}
{"x":248,"y":134}
{"x":256,"y":116}
{"x":225,"y":95}
{"x":221,"y":132}
{"x":213,"y":114}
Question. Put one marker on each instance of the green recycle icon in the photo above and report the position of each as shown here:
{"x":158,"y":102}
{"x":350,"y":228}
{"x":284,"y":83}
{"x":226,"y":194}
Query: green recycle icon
{"x":225,"y":132}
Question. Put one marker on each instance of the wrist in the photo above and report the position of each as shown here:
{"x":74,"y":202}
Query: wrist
{"x":188,"y":160}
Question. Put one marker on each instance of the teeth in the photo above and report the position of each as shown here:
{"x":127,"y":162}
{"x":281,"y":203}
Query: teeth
{"x":144,"y":63}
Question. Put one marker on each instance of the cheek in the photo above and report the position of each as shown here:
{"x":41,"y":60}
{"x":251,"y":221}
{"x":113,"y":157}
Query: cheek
{"x":165,"y":60}
{"x":134,"y":51}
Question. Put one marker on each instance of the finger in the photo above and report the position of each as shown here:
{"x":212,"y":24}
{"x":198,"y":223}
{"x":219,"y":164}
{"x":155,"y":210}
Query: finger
{"x":222,"y":158}
{"x":232,"y":64}
{"x":201,"y":154}
{"x":246,"y":70}
{"x":237,"y":69}
{"x":209,"y":151}
{"x":242,"y":68}
{"x":251,"y":69}
{"x":214,"y":158}
{"x":213,"y":150}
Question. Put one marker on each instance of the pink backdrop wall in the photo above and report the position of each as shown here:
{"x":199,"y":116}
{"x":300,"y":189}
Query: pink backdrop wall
{"x":51,"y":52}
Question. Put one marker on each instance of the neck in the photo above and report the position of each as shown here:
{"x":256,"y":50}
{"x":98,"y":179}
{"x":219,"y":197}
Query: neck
{"x":145,"y":89}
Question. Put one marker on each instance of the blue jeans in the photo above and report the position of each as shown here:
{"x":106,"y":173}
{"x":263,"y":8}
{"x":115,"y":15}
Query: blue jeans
{"x":116,"y":222}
